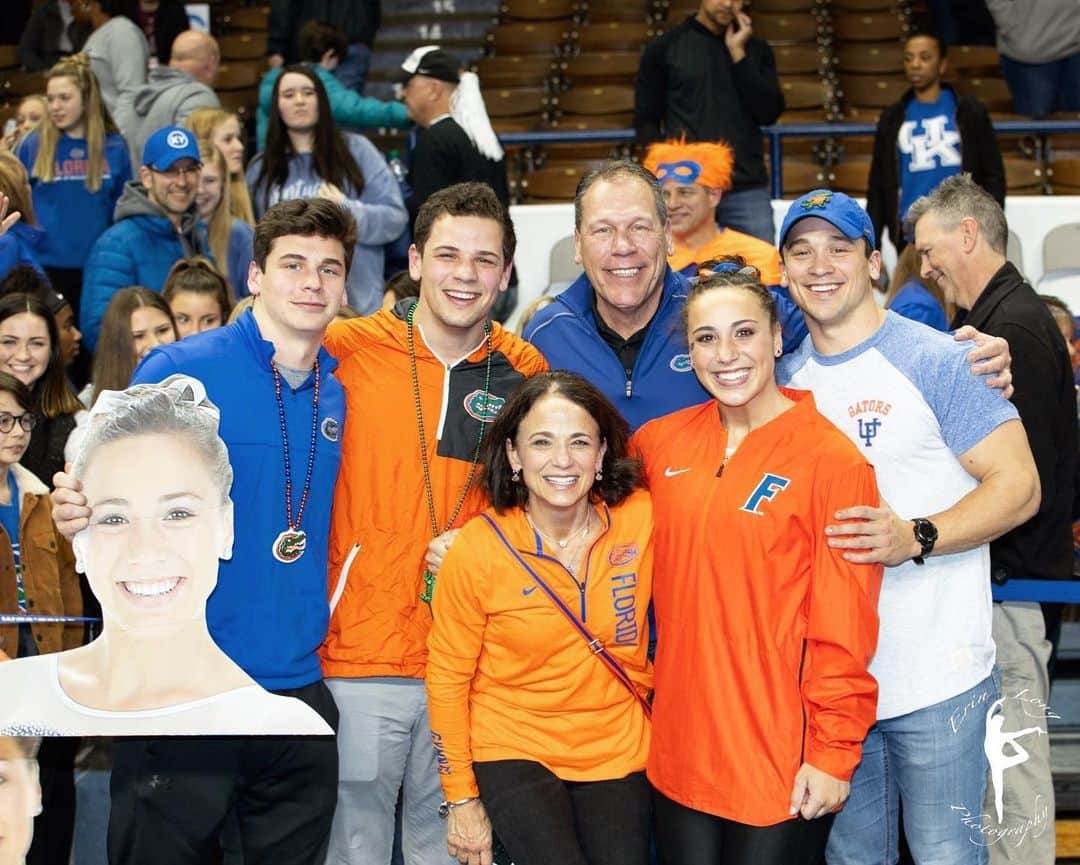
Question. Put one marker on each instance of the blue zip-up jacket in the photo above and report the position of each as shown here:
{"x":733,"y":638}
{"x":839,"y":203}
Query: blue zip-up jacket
{"x":20,"y":245}
{"x":379,"y":212}
{"x":661,"y":381}
{"x":267,"y":616}
{"x":73,"y":216}
{"x":138,"y":250}
{"x":347,"y":107}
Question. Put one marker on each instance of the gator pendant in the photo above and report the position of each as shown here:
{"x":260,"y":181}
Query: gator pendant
{"x":429,"y":588}
{"x":290,"y":546}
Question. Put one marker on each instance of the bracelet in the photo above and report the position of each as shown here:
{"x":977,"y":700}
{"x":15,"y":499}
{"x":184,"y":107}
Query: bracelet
{"x":446,"y":807}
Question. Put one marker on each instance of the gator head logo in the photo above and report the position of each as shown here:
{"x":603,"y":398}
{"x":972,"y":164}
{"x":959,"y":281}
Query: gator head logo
{"x":681,"y":363}
{"x":290,"y":546}
{"x":623,"y":554}
{"x":483,"y":406}
{"x":330,"y":429}
{"x":822,"y":199}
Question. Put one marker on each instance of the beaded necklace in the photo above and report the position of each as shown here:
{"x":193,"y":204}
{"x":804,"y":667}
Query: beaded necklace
{"x":291,"y":543}
{"x":429,"y":579}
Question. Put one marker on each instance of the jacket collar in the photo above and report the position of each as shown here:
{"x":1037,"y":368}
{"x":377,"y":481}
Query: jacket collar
{"x":26,"y":482}
{"x":262,"y":350}
{"x":1003,"y":283}
{"x":579,"y":296}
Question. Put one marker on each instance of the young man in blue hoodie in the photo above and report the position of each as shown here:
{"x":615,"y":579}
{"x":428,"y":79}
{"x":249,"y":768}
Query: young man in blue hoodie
{"x":157,"y":223}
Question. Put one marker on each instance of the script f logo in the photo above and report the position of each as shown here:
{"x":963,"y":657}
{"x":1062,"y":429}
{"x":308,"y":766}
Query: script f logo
{"x":768,"y":488}
{"x":868,"y":430}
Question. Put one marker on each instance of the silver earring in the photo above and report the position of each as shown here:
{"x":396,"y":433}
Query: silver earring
{"x":778,"y":352}
{"x":599,"y":475}
{"x":516,"y":476}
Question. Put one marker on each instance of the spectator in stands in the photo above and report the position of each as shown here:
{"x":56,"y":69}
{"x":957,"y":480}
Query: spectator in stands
{"x":1039,"y":43}
{"x":322,"y":47}
{"x":456,"y":143}
{"x":157,"y":223}
{"x":1066,"y":323}
{"x":118,"y":55}
{"x":961,"y":235}
{"x":358,"y":19}
{"x":161,"y":21}
{"x":916,"y":298}
{"x":30,"y":351}
{"x":29,"y":114}
{"x":710,"y":80}
{"x":221,"y":128}
{"x":931,"y":133}
{"x":29,"y":280}
{"x":20,"y":801}
{"x":306,"y":157}
{"x":78,"y":165}
{"x":52,"y":32}
{"x":399,"y":287}
{"x":172,"y":92}
{"x":231,"y":239}
{"x":23,"y":240}
{"x":694,"y":178}
{"x":198,"y":296}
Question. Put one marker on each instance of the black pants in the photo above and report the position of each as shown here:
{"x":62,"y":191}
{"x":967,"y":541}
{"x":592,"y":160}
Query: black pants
{"x":685,"y":836}
{"x":542,"y":819}
{"x":171,"y":795}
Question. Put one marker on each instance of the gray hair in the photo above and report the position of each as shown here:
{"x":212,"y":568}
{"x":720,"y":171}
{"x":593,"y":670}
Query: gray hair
{"x":613,"y":171}
{"x":958,"y":198}
{"x":178,"y":406}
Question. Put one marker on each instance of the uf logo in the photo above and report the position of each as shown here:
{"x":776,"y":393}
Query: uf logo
{"x":765,"y":491}
{"x":868,"y":430}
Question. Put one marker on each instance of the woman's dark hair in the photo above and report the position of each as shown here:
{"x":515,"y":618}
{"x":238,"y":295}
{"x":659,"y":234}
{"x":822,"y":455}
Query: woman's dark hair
{"x":114,"y":359}
{"x":622,"y":473}
{"x":734,"y":279}
{"x":199,"y":276}
{"x":333,"y":161}
{"x":402,"y":285}
{"x":318,"y":37}
{"x":19,"y":391}
{"x":53,"y":395}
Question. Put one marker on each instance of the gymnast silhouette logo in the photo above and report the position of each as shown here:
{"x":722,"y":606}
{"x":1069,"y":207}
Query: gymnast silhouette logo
{"x":1003,"y":751}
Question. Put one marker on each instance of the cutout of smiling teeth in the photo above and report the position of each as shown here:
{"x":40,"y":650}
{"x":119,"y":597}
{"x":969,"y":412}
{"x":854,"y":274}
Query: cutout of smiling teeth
{"x":152,"y":588}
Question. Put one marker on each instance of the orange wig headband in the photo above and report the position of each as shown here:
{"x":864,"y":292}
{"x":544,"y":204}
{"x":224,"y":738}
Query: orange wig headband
{"x":705,"y":162}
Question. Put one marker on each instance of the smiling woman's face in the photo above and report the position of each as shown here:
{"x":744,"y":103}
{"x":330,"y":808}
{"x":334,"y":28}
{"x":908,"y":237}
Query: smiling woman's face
{"x":157,"y":529}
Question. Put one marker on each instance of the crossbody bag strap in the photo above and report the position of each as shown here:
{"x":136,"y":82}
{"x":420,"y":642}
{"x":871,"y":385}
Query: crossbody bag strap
{"x":595,"y":644}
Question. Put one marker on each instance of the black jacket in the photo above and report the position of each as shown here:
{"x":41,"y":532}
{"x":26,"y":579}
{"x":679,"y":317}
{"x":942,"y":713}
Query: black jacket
{"x":39,"y":47}
{"x":1045,"y":396}
{"x":687,"y":83}
{"x":979,"y":156}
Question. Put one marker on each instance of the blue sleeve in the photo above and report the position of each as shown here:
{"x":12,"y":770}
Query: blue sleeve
{"x":120,"y":165}
{"x":154,"y":367}
{"x":109,"y":269}
{"x":9,"y":255}
{"x":258,"y":196}
{"x":380,"y":213}
{"x":932,"y":316}
{"x":967,"y":409}
{"x":241,"y":242}
{"x":792,"y":320}
{"x":262,"y":116}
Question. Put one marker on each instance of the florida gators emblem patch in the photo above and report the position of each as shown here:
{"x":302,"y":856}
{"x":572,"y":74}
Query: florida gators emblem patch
{"x":483,"y":406}
{"x":622,"y":554}
{"x":820,"y":200}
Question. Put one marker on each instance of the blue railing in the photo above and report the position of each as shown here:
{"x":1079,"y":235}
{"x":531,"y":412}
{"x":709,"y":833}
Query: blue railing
{"x":776,"y":134}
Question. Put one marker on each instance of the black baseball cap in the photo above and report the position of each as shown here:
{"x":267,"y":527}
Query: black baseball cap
{"x":431,"y":61}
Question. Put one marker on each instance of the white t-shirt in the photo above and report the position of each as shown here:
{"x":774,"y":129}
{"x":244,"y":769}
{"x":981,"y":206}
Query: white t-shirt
{"x":34,"y":704}
{"x":906,"y":397}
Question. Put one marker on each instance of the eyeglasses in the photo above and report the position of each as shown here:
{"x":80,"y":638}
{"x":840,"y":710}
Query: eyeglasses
{"x":26,"y":420}
{"x":174,"y":173}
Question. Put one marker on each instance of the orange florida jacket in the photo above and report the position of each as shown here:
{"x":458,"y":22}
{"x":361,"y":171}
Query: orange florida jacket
{"x":764,"y":632}
{"x":509,"y":678}
{"x":380,"y":528}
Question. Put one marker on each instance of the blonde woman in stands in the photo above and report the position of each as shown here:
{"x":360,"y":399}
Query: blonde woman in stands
{"x":221,"y":128}
{"x":28,"y":117}
{"x":231,"y":239}
{"x":78,"y":165}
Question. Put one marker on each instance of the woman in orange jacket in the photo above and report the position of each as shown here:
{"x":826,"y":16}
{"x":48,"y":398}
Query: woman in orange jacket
{"x":764,"y":633}
{"x":537,"y":668}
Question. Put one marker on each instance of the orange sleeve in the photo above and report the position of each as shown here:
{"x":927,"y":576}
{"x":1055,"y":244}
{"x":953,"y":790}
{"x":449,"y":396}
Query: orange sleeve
{"x":454,"y":643}
{"x":839,"y":693}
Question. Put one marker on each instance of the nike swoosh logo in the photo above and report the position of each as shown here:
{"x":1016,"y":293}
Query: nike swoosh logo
{"x":669,"y":472}
{"x":529,"y":590}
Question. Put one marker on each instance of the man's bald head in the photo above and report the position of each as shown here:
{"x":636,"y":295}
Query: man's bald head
{"x":197,"y":54}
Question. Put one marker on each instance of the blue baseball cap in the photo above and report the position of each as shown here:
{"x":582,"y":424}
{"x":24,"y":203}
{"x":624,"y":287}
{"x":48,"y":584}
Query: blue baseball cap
{"x":167,"y":145}
{"x":836,"y":208}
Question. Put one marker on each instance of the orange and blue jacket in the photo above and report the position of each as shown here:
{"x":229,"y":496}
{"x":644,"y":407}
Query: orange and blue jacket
{"x":509,"y":678}
{"x":380,"y":527}
{"x":764,"y":632}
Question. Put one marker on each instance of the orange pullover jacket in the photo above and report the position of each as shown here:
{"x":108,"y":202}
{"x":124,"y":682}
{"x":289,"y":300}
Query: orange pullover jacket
{"x":764,"y":632}
{"x":509,"y":678}
{"x":380,"y":527}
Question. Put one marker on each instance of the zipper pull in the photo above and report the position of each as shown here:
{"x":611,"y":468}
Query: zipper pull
{"x":629,"y":387}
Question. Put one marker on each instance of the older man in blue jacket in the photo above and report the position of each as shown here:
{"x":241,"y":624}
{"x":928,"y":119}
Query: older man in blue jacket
{"x":156,"y":224}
